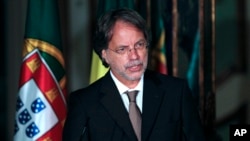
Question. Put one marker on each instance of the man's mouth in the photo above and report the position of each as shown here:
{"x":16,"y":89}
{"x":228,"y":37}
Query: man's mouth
{"x":135,"y":68}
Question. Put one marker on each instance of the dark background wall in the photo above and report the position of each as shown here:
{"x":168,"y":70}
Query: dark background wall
{"x":232,"y":85}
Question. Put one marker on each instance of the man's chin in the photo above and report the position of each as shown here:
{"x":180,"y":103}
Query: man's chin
{"x":135,"y":76}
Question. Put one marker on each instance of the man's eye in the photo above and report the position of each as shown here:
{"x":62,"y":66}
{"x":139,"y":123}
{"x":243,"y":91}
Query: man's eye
{"x":121,"y":50}
{"x":140,"y":45}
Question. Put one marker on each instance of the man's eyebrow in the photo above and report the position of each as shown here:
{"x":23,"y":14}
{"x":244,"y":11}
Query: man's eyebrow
{"x":141,"y":40}
{"x":122,"y":46}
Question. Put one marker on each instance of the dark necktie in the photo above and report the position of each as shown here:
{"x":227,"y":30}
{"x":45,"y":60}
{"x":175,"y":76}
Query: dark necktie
{"x":134,"y":113}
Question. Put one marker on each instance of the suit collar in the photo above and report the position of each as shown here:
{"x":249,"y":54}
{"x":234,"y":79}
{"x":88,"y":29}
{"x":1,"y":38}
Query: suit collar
{"x":152,"y":98}
{"x":113,"y":103}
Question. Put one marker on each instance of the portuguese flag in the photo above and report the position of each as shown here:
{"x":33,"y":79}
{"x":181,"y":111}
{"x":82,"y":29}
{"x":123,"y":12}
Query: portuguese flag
{"x":41,"y":104}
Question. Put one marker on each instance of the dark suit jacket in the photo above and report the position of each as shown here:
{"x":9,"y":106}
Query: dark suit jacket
{"x":97,"y":113}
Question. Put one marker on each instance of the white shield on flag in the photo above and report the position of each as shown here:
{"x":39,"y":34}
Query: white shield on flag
{"x":34,"y":114}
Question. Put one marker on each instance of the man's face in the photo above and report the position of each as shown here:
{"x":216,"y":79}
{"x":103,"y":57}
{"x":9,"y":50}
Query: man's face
{"x":127,"y":54}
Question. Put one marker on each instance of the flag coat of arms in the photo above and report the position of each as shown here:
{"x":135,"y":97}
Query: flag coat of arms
{"x":41,"y":102}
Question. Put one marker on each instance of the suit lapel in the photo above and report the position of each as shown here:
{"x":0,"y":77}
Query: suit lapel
{"x":152,"y":98}
{"x":113,"y":103}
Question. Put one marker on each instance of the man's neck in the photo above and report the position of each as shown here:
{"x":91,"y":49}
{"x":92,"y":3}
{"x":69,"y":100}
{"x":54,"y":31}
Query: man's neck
{"x":131,"y":84}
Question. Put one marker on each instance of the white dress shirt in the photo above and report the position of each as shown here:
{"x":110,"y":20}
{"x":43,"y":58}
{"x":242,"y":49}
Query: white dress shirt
{"x":122,"y":89}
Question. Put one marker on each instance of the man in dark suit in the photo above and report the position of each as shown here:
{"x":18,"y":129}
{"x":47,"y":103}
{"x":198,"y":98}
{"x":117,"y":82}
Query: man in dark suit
{"x":164,"y":109}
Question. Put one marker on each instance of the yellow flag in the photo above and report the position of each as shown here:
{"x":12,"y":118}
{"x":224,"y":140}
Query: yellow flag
{"x":97,"y":69}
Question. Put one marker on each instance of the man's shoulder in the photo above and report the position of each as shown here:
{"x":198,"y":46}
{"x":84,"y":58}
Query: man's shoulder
{"x":89,"y":90}
{"x":162,"y":78}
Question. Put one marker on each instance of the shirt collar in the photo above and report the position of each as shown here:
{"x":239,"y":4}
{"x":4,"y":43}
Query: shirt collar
{"x":122,"y":88}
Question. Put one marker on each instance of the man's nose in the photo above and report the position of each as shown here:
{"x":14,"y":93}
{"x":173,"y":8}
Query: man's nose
{"x":133,"y":53}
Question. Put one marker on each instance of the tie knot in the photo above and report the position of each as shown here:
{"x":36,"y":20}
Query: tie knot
{"x":132,"y":95}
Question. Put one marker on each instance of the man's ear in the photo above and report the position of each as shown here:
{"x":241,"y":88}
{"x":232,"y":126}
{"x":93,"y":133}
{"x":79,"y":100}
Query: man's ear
{"x":104,"y":56}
